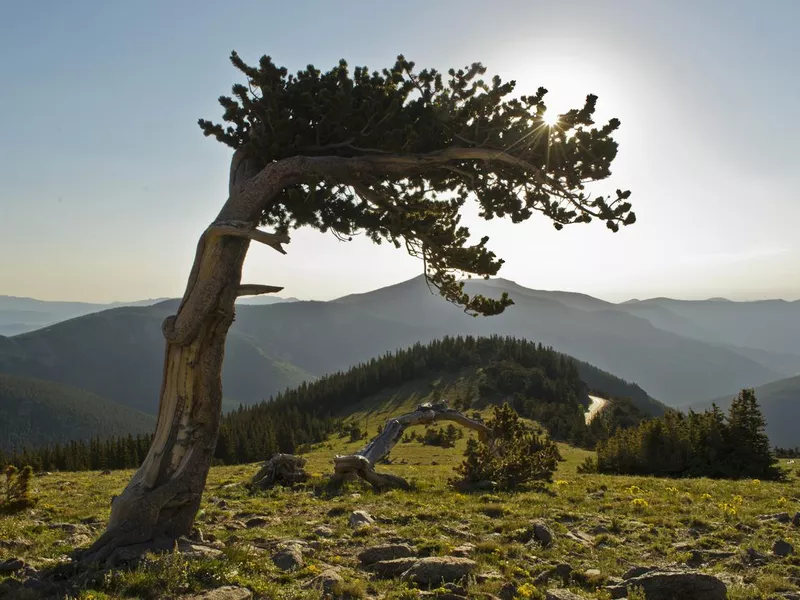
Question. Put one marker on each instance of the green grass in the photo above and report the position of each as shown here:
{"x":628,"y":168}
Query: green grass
{"x":671,"y":518}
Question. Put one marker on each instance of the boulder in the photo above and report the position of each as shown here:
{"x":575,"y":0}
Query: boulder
{"x":288,"y":559}
{"x":388,"y":569}
{"x":561,"y":594}
{"x":541,"y":533}
{"x":668,"y":585}
{"x":782,"y":548}
{"x":439,"y":569}
{"x":360,"y":518}
{"x":323,"y":531}
{"x":11,"y":565}
{"x":226,"y":592}
{"x":326,"y":582}
{"x":385,"y":552}
{"x":257,"y":522}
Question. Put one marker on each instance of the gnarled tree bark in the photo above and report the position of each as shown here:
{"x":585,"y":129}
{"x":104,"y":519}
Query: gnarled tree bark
{"x":161,"y":500}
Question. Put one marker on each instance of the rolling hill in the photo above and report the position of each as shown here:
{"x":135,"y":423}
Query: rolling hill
{"x":118,"y":354}
{"x":780,"y":403}
{"x":35,"y":412}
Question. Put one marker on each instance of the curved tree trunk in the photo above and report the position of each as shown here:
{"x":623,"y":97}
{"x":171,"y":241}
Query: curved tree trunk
{"x":160,"y":501}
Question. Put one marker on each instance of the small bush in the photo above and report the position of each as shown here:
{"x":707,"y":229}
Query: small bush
{"x":589,"y":465}
{"x":17,"y":489}
{"x":513,"y":456}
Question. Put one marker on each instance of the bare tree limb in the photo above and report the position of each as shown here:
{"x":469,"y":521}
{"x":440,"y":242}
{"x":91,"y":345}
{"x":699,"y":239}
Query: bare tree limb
{"x":254,"y":289}
{"x":245,"y":230}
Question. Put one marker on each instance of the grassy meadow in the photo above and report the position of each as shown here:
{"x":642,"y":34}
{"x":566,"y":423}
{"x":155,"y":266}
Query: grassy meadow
{"x":602,"y":525}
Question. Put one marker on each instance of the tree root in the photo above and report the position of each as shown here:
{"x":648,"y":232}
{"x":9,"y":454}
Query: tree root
{"x":346,"y":467}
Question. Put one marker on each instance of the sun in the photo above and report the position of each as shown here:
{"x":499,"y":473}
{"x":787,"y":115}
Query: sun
{"x":550,"y":119}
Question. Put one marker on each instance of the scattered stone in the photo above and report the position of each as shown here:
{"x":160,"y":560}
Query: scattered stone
{"x":360,"y":518}
{"x":257,"y":522}
{"x":11,"y":565}
{"x":782,"y":517}
{"x":234,"y":525}
{"x":323,"y":531}
{"x":796,"y":519}
{"x":226,"y":592}
{"x":326,"y":581}
{"x":385,"y":552}
{"x":581,"y":537}
{"x":280,"y":469}
{"x":192,"y":550}
{"x":464,"y":550}
{"x":542,"y":533}
{"x":388,"y":569}
{"x":754,"y":557}
{"x":70,"y":527}
{"x":78,"y":539}
{"x":637,"y":571}
{"x":288,"y":559}
{"x":593,"y":573}
{"x":561,"y":594}
{"x":508,"y":592}
{"x":563,"y":571}
{"x":782,"y":548}
{"x":438,"y":569}
{"x":667,"y":585}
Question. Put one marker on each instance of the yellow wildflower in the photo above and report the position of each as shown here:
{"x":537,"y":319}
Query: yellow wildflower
{"x":639,"y":503}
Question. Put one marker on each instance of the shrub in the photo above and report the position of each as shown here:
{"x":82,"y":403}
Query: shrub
{"x":513,"y":456}
{"x":17,"y":493}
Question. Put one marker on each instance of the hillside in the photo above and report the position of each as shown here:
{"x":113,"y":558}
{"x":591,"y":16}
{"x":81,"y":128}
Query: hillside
{"x":469,"y":373}
{"x":35,"y":412}
{"x":118,"y":354}
{"x":602,"y":528}
{"x":780,"y":403}
{"x":672,"y":368}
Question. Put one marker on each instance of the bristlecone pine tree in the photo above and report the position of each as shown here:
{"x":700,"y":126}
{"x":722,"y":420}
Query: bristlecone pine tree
{"x":393,"y":154}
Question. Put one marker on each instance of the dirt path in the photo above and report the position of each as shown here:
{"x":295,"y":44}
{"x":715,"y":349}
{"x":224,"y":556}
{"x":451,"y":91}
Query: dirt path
{"x":595,"y":407}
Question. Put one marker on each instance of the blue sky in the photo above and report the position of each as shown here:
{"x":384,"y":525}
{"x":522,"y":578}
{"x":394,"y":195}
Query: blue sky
{"x":106,"y":181}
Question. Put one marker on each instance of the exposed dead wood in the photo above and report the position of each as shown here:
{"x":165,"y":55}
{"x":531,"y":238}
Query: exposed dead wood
{"x":362,"y":463}
{"x":281,"y":469}
{"x":254,"y":289}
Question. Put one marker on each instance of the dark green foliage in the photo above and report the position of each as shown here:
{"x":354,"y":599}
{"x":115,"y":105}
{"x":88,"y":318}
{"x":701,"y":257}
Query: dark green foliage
{"x":355,"y":433}
{"x":422,"y":117}
{"x":546,"y":386}
{"x":35,"y":412}
{"x":444,"y":437}
{"x":16,"y":492}
{"x":513,"y":456}
{"x":787,"y":452}
{"x":706,"y":444}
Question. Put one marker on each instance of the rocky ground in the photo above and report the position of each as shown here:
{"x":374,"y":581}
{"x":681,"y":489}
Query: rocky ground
{"x":580,"y":536}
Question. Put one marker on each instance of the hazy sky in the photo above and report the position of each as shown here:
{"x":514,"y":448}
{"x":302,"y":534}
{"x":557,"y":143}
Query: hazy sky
{"x":106,"y":180}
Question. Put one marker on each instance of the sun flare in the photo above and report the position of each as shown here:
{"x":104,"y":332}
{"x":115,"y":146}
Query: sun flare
{"x":550,"y":119}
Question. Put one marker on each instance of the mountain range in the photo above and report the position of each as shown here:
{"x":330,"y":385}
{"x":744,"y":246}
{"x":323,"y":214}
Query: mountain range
{"x":680,"y":352}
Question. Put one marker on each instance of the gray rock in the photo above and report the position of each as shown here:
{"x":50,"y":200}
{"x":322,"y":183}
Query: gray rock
{"x":592,"y":573}
{"x":541,"y":533}
{"x":439,"y":569}
{"x":637,"y":571}
{"x":257,"y":522}
{"x":326,"y":581}
{"x":464,"y":550}
{"x":323,"y":531}
{"x":668,"y":585}
{"x":581,"y":537}
{"x":288,"y":559}
{"x":11,"y":565}
{"x":796,"y":519}
{"x":360,"y":518}
{"x":561,"y":594}
{"x":388,"y":569}
{"x":782,"y":548}
{"x":782,"y":517}
{"x":385,"y":552}
{"x":754,"y":557}
{"x":563,"y":571}
{"x":226,"y":592}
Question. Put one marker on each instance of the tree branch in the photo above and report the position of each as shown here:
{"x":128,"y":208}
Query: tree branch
{"x":254,"y":289}
{"x":243,"y":229}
